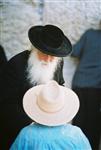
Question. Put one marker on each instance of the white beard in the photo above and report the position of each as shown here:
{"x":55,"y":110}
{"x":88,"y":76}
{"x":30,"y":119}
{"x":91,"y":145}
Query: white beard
{"x":40,"y":71}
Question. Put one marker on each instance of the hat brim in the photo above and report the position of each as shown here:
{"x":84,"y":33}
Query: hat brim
{"x":62,"y":51}
{"x":63,"y":116}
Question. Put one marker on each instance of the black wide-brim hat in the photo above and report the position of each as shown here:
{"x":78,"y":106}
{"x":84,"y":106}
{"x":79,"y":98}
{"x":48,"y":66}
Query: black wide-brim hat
{"x":50,"y":40}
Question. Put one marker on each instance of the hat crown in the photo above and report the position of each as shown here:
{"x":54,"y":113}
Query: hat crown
{"x":52,"y":36}
{"x":50,"y":98}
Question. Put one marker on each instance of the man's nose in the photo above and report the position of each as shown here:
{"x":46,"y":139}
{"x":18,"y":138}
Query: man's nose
{"x":48,"y":58}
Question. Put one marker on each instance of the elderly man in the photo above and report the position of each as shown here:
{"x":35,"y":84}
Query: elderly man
{"x":29,"y":68}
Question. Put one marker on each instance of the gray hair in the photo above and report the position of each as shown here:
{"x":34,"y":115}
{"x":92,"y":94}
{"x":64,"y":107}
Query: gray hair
{"x":33,"y":48}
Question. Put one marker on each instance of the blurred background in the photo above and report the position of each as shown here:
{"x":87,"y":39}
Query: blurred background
{"x":74,"y":17}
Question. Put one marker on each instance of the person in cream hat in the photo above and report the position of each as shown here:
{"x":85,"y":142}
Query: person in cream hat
{"x":51,"y":107}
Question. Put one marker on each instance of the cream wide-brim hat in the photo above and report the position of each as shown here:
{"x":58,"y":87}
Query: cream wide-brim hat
{"x":51,"y":104}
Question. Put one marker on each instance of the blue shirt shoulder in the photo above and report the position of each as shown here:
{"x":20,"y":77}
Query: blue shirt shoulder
{"x":39,"y":137}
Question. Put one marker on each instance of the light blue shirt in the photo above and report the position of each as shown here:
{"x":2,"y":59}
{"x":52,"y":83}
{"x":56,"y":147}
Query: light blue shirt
{"x":39,"y":137}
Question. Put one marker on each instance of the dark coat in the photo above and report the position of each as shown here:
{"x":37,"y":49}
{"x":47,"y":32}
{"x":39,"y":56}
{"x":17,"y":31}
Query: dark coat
{"x":88,"y":50}
{"x":13,"y":85}
{"x":3,"y":59}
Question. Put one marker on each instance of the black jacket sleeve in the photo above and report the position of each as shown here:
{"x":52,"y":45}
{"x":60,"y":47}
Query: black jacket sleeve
{"x":59,"y":73}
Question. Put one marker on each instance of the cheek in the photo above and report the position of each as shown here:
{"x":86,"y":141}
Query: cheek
{"x":51,"y":58}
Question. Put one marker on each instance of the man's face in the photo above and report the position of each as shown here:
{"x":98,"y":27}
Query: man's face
{"x":45,"y":57}
{"x":41,"y":67}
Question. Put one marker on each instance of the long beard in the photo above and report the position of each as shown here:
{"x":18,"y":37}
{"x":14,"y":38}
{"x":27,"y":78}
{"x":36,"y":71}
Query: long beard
{"x":39,"y":72}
